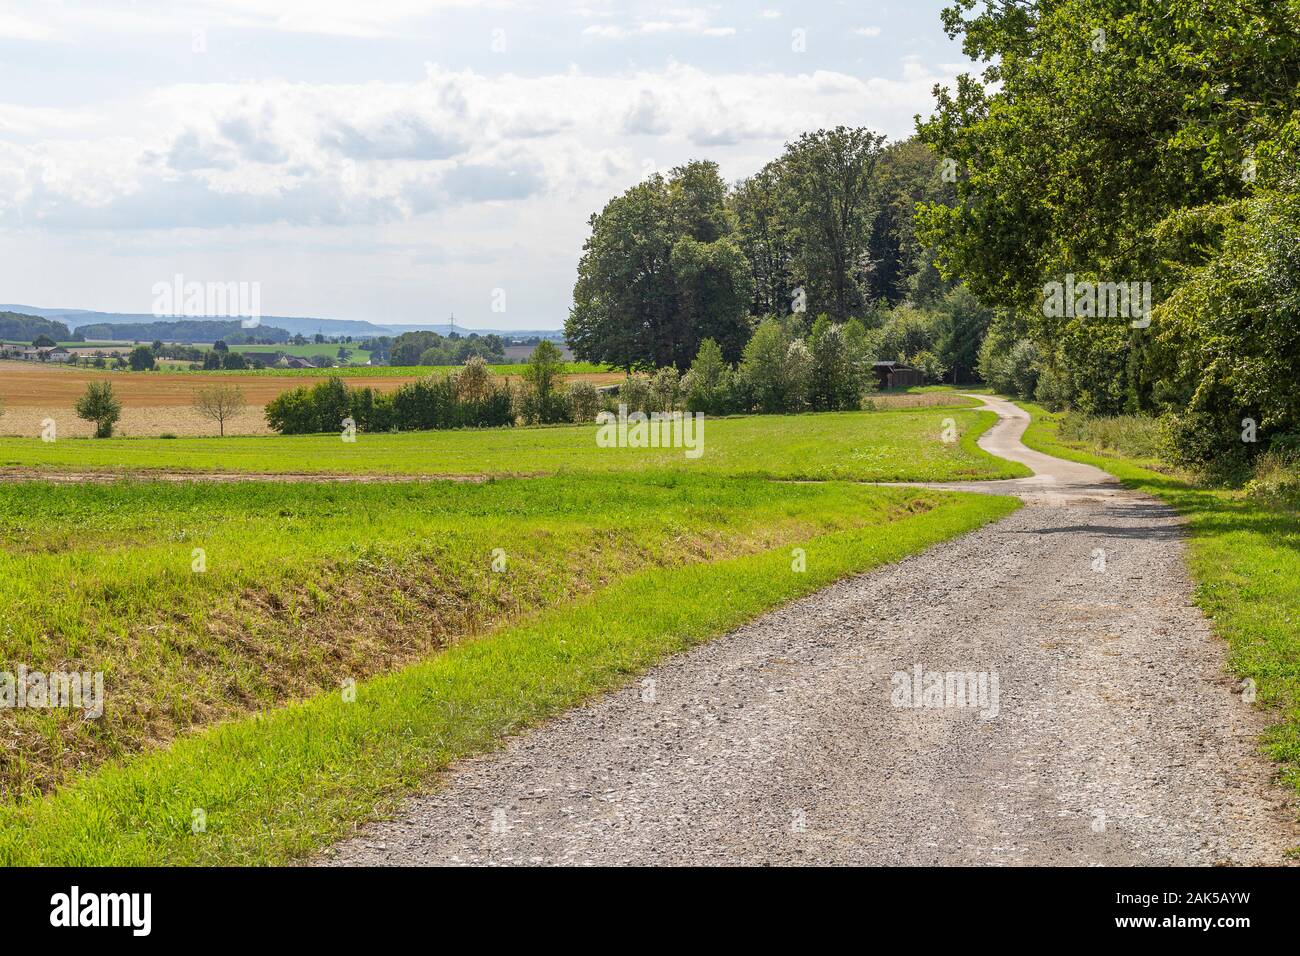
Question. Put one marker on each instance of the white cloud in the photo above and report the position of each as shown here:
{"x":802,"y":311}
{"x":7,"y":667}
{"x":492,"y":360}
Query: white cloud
{"x":224,"y":153}
{"x":14,"y":27}
{"x":691,"y":21}
{"x":770,"y":14}
{"x":867,"y":31}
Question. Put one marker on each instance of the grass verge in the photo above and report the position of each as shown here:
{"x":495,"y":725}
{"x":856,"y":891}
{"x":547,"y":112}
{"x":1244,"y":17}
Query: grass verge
{"x":275,"y":787}
{"x":1244,"y":555}
{"x":200,"y":603}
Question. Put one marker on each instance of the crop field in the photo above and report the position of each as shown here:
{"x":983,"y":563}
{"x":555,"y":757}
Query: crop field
{"x":158,"y":403}
{"x":217,"y":612}
{"x":328,"y":349}
{"x":583,"y":369}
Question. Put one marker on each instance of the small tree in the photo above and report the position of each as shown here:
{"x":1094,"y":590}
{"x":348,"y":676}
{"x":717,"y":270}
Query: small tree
{"x":708,"y":385}
{"x":666,"y":389}
{"x":834,"y":380}
{"x":98,"y":404}
{"x":928,"y":363}
{"x":220,"y":404}
{"x":141,"y":358}
{"x":775,"y":374}
{"x":542,"y":375}
{"x":474,"y":381}
{"x":584,"y":401}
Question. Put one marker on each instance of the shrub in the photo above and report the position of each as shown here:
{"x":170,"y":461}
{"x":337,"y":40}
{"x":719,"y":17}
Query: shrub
{"x":541,"y":401}
{"x":928,"y":364}
{"x":1276,"y":478}
{"x":836,"y":380}
{"x":583,"y":401}
{"x":474,"y":381}
{"x":709,"y":385}
{"x":1013,"y":371}
{"x":634,"y":392}
{"x":774,"y":373}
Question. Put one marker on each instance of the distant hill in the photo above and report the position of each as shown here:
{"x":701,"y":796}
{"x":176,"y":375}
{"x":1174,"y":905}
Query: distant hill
{"x":77,"y":318}
{"x":24,"y":327}
{"x":183,"y":330}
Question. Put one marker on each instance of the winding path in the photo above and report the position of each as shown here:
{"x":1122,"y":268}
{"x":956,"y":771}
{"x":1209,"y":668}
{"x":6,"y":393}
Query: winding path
{"x":1117,"y":739}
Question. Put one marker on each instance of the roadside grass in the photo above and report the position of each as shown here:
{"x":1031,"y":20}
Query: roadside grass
{"x":277,"y":786}
{"x":302,"y":585}
{"x":1244,"y":555}
{"x":1136,"y":437}
{"x":902,"y":445}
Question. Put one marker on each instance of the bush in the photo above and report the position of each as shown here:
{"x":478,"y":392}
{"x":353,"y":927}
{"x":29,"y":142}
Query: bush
{"x":1013,"y":371}
{"x":928,"y":363}
{"x":1207,"y":442}
{"x":837,"y":381}
{"x":1053,"y":390}
{"x":665,"y":390}
{"x":775,"y":374}
{"x":474,"y":381}
{"x":709,"y":386}
{"x":584,"y":401}
{"x":540,"y":401}
{"x":1276,"y":478}
{"x":431,"y":403}
{"x":634,"y":392}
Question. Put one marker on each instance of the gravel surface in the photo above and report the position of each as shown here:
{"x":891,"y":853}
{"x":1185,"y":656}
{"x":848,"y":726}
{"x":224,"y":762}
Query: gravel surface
{"x":1111,"y":734}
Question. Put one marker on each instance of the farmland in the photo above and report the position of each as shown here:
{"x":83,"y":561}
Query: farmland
{"x":156,"y":403}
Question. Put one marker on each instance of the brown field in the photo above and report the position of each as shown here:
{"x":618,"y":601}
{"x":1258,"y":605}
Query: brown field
{"x":153,"y":403}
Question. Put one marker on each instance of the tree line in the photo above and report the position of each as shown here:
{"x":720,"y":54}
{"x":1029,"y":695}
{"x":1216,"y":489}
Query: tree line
{"x":819,"y":250}
{"x":1150,"y":141}
{"x":824,"y":229}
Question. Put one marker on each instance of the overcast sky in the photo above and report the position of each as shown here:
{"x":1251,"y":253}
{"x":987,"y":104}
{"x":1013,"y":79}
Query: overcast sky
{"x":398,"y":160}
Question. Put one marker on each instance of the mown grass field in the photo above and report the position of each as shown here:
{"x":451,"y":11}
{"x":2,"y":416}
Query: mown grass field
{"x":1244,"y":555}
{"x":224,"y":685}
{"x":903,"y":445}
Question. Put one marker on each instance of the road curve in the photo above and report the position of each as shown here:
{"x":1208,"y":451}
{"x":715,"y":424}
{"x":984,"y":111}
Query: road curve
{"x":1107,"y":733}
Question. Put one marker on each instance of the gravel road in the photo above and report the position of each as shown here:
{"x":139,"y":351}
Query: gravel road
{"x":1107,"y":731}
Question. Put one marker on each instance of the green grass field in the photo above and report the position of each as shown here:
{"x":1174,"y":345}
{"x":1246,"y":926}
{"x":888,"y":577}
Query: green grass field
{"x":666,"y":564}
{"x":901,"y":445}
{"x":1244,"y":556}
{"x":224,"y":685}
{"x":328,"y":349}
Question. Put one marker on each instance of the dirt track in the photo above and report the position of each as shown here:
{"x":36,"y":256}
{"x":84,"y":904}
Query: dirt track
{"x":1114,"y":736}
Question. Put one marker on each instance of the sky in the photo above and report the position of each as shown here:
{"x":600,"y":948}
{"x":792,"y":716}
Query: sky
{"x":401,"y":160}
